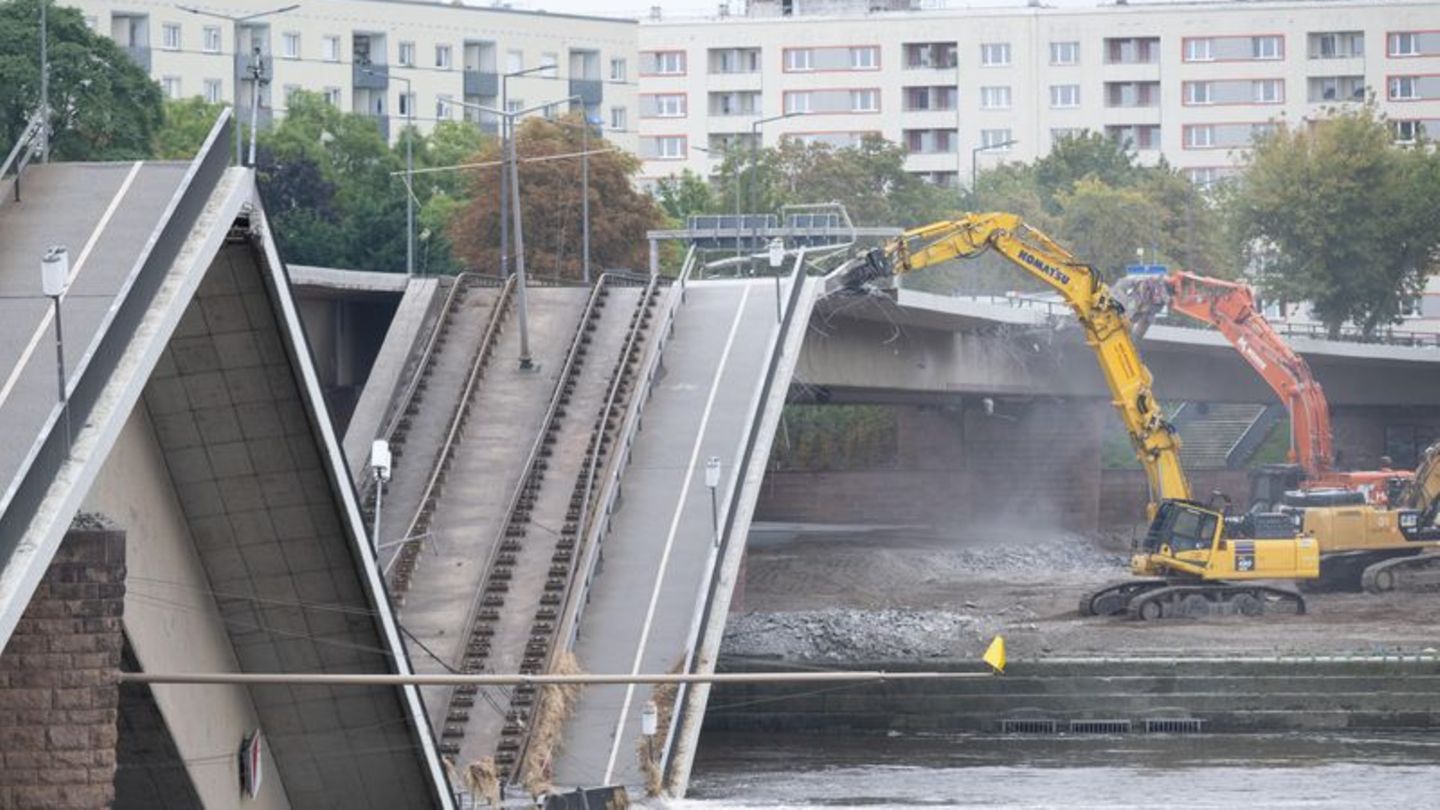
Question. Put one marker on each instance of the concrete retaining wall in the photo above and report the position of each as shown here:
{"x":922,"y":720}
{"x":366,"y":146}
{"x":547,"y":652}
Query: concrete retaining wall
{"x":1227,"y":695}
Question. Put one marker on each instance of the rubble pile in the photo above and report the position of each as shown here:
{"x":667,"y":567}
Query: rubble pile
{"x":845,"y":635}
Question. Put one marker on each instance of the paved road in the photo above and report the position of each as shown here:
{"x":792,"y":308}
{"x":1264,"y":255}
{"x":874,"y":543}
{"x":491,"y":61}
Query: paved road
{"x":504,"y":420}
{"x":655,"y":557}
{"x":104,"y":214}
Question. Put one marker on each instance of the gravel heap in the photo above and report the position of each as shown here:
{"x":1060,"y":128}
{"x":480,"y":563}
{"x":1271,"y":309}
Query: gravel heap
{"x":855,"y":635}
{"x":1044,"y":555}
{"x":92,"y":521}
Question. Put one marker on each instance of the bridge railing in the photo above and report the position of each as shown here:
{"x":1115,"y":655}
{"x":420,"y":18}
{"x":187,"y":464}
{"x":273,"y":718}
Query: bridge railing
{"x":1348,"y":334}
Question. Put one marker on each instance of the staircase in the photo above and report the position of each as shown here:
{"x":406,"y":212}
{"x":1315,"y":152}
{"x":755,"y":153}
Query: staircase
{"x":1209,"y":431}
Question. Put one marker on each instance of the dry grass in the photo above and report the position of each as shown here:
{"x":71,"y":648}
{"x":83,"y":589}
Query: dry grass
{"x":481,"y":779}
{"x":664,"y":695}
{"x":547,"y":723}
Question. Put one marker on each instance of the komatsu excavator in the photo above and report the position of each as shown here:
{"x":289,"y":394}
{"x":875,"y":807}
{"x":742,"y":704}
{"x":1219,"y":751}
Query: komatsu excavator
{"x":1349,"y":513}
{"x":1193,"y":561}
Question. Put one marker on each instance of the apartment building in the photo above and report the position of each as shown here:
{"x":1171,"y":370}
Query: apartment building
{"x":389,"y":59}
{"x":1190,"y":82}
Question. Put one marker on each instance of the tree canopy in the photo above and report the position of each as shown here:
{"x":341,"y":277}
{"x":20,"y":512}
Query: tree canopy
{"x":104,"y":107}
{"x":551,"y":205}
{"x":1336,"y":214}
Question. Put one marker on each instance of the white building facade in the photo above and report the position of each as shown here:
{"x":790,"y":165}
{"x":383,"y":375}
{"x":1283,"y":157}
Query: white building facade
{"x":360,"y":54}
{"x":973,"y":87}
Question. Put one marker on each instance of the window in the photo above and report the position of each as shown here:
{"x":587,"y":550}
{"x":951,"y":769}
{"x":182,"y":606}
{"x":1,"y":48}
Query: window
{"x":171,"y":86}
{"x":1203,"y":176}
{"x":995,"y":54}
{"x":799,"y":59}
{"x":1408,"y":131}
{"x":514,"y":61}
{"x":865,"y":100}
{"x":1404,"y":43}
{"x":444,"y":57}
{"x":514,"y":104}
{"x":930,"y":55}
{"x":407,"y":54}
{"x":995,"y":98}
{"x":1198,"y":93}
{"x":289,"y":92}
{"x":407,"y":105}
{"x":290,"y":45}
{"x":1199,"y":50}
{"x":997,"y":140}
{"x":443,"y":107}
{"x":1268,"y":91}
{"x":618,"y":73}
{"x":1064,"y":95}
{"x":797,"y":102}
{"x":330,"y":49}
{"x":667,"y":63}
{"x":1402,"y":88}
{"x":551,"y":63}
{"x":866,"y":58}
{"x":1199,"y":136}
{"x":170,"y":37}
{"x":212,"y":91}
{"x":1062,"y":133}
{"x":1337,"y":44}
{"x":668,"y":147}
{"x":332,"y":96}
{"x":618,"y":119}
{"x":210,"y":39}
{"x":1267,"y":47}
{"x":1064,"y":53}
{"x":670,"y":106}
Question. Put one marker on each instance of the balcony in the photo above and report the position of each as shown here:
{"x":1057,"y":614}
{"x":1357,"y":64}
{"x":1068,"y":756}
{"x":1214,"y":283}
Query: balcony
{"x":482,"y":83}
{"x":590,"y":91}
{"x":370,"y":77}
{"x":243,"y":62}
{"x":140,"y":55}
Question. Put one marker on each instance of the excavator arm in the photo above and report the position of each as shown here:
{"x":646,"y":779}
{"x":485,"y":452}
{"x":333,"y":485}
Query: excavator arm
{"x":1100,"y":314}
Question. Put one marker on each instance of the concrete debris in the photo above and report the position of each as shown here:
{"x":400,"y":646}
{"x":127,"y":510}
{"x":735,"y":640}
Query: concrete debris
{"x":92,"y":522}
{"x":855,"y":635}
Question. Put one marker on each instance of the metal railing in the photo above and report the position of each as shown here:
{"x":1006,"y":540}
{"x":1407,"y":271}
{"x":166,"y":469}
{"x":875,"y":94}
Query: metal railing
{"x":594,"y":535}
{"x":457,"y":418}
{"x":696,"y":638}
{"x":24,"y":150}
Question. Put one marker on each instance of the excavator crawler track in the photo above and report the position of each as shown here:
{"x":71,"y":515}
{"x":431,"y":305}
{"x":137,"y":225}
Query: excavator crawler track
{"x":1417,"y":572}
{"x":1202,"y":600}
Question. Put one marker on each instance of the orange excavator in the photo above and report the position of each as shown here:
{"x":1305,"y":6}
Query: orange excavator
{"x":1365,"y":521}
{"x":1230,"y":308}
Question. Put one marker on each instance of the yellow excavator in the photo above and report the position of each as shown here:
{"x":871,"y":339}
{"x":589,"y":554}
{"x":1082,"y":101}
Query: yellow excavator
{"x":1418,"y":513}
{"x":1192,"y":562}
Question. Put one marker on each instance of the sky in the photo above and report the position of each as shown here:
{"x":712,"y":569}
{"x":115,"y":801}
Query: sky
{"x":691,"y":8}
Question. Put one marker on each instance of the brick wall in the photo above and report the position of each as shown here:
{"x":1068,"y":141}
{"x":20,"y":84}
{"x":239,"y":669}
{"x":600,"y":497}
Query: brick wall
{"x":1032,"y":462}
{"x":1123,"y":496}
{"x":58,"y":686}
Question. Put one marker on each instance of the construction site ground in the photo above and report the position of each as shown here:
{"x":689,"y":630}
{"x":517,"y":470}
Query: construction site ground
{"x":838,"y":594}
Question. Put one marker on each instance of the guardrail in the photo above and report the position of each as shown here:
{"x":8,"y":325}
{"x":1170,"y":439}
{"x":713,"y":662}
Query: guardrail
{"x":50,"y":450}
{"x":457,"y":417}
{"x":584,"y":571}
{"x":24,"y":151}
{"x":1348,"y":334}
{"x":745,"y":464}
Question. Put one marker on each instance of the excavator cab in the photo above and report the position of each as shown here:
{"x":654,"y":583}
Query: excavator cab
{"x":1187,"y":539}
{"x":1181,"y":530}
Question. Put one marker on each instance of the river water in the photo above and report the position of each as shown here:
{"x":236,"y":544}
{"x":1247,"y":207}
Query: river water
{"x":1253,"y":772}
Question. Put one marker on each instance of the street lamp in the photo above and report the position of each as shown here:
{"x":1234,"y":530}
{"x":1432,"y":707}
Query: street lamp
{"x":409,"y":171}
{"x":712,"y":481}
{"x":236,"y":20}
{"x":380,"y":461}
{"x":754,"y":158}
{"x":504,"y":160}
{"x":975,"y":160}
{"x":526,"y":363}
{"x":54,"y":280}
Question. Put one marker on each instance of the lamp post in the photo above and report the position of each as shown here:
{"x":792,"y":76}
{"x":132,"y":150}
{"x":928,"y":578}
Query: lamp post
{"x":754,"y":158}
{"x":380,"y":461}
{"x":409,"y":171}
{"x":712,"y":482}
{"x":54,"y":280}
{"x":504,"y":167}
{"x":44,"y":82}
{"x":526,"y":362}
{"x":236,"y":20}
{"x":975,"y":160}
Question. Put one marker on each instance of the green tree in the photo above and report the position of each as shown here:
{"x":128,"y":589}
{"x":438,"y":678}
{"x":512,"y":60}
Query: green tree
{"x":1077,"y":157}
{"x":684,"y":195}
{"x":103,"y":105}
{"x":1105,"y":225}
{"x":187,"y":122}
{"x":1337,"y":215}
